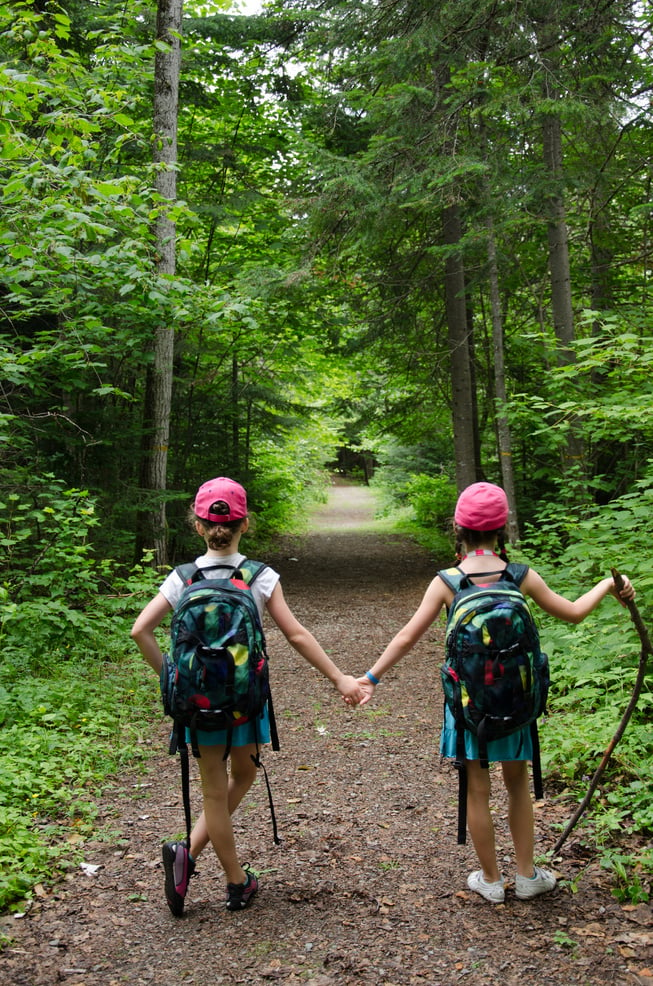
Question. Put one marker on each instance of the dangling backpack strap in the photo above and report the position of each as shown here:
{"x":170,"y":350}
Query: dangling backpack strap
{"x":481,"y":737}
{"x":192,"y":729}
{"x":460,"y":765}
{"x":178,"y":744}
{"x":274,"y":735}
{"x":453,"y":578}
{"x":258,"y":763}
{"x":185,"y":789}
{"x":538,"y":787}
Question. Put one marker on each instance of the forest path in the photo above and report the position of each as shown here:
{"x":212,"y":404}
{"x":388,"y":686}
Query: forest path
{"x":368,"y":887}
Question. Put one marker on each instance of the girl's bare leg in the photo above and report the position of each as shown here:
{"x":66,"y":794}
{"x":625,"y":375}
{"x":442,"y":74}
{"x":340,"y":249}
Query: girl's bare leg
{"x":241,"y":777}
{"x":520,"y":813}
{"x":479,"y":819}
{"x":221,"y":794}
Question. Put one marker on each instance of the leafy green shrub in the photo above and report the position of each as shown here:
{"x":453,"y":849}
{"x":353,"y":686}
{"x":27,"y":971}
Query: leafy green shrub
{"x":67,"y":731}
{"x":72,"y":706}
{"x":633,"y":875}
{"x":285,"y":486}
{"x":593,"y":666}
{"x":51,"y":579}
{"x":606,"y":536}
{"x":399,"y":462}
{"x":433,"y":498}
{"x":422,"y":505}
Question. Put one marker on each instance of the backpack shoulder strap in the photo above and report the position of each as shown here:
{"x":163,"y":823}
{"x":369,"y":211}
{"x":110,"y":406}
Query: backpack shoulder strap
{"x":187,"y":573}
{"x":193,"y":573}
{"x":456,"y":579}
{"x":250,"y":570}
{"x":452,"y":577}
{"x":516,"y":572}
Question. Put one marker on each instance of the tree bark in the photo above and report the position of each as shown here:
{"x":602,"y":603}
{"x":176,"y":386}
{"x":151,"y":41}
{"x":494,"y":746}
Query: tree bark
{"x":560,"y":272}
{"x":558,"y":240}
{"x":503,"y":428}
{"x":462,"y":402}
{"x":159,"y":390}
{"x":572,"y":465}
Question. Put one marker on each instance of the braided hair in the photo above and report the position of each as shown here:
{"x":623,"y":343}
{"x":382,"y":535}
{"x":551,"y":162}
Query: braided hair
{"x":465,"y":537}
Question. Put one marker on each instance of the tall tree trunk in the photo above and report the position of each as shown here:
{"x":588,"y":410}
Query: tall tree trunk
{"x":504,"y":437}
{"x":159,"y":390}
{"x":561,"y":302}
{"x":462,"y":398}
{"x":557,"y":231}
{"x":503,"y":427}
{"x":235,"y":415}
{"x":558,"y":238}
{"x":602,"y":253}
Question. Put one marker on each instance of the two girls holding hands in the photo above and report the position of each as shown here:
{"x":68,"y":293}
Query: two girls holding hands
{"x":220,"y":518}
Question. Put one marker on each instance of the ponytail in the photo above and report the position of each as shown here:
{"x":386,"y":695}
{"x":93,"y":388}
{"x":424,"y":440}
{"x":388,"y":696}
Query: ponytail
{"x":217,"y":536}
{"x":220,"y":536}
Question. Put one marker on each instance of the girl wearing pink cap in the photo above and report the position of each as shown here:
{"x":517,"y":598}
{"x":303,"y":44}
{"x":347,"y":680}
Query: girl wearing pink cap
{"x":480,"y":517}
{"x":219,"y":517}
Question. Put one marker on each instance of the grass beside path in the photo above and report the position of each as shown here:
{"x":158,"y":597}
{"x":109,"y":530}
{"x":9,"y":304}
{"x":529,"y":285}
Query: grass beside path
{"x":348,"y":507}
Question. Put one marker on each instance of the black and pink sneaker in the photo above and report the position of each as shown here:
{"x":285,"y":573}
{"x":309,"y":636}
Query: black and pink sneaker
{"x":179,"y":868}
{"x":240,"y":894}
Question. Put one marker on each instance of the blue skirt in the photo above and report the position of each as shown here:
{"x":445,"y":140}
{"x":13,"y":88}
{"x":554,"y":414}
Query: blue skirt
{"x":517,"y":746}
{"x":249,"y":732}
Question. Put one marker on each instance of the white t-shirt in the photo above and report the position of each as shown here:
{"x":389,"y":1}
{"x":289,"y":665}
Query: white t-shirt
{"x":262,"y":588}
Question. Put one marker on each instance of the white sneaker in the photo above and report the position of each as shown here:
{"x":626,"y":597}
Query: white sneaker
{"x":493,"y":892}
{"x":540,"y":883}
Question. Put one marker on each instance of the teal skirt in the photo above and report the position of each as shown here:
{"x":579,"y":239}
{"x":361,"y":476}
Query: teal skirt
{"x":517,"y":746}
{"x":250,"y":732}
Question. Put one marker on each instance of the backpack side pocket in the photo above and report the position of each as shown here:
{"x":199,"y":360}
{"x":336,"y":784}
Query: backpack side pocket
{"x":451,"y":686}
{"x":167,"y":678}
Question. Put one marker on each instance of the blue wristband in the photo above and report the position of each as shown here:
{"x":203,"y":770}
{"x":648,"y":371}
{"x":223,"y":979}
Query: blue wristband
{"x":370,"y":677}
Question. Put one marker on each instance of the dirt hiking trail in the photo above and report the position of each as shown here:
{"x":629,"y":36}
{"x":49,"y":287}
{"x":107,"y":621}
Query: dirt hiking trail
{"x":368,"y":886}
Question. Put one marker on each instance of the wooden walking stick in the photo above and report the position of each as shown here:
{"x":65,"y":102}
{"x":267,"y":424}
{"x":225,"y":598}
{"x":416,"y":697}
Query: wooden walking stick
{"x":639,"y":681}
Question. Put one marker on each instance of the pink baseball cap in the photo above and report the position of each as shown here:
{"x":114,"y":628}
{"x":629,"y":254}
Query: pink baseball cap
{"x":221,"y":500}
{"x":482,"y":507}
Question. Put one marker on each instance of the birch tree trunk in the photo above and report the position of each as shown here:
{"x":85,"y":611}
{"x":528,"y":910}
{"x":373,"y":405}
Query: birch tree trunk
{"x":159,"y":390}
